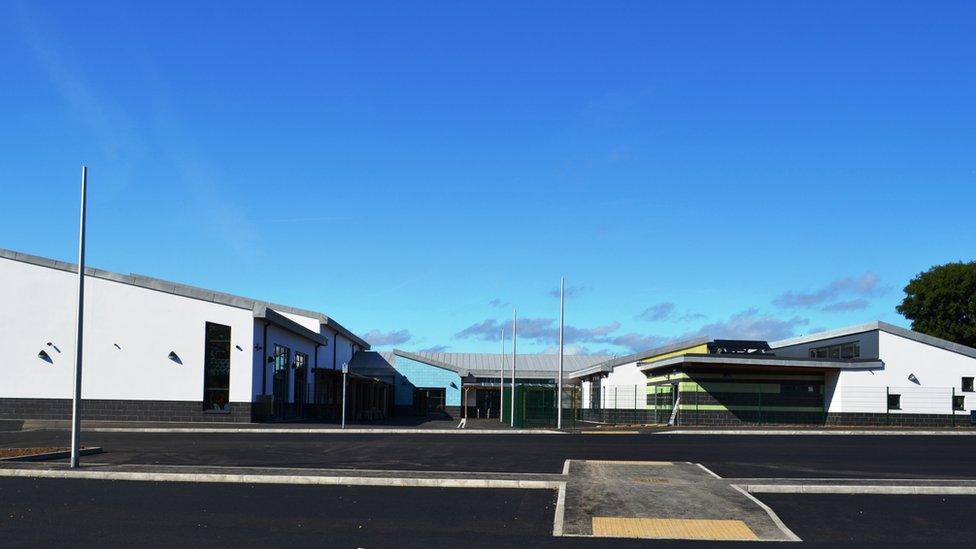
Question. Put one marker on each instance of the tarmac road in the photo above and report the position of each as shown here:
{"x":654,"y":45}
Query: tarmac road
{"x":820,"y":456}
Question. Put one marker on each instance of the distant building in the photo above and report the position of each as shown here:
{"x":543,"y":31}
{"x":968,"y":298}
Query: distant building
{"x":870,"y":374}
{"x":459,"y":385}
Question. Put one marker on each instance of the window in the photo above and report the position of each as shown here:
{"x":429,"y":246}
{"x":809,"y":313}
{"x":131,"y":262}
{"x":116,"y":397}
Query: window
{"x":216,"y":368}
{"x":967,"y":384}
{"x":959,"y":402}
{"x":894,"y":402}
{"x":799,"y":388}
{"x":282,"y":355}
{"x":844,"y":351}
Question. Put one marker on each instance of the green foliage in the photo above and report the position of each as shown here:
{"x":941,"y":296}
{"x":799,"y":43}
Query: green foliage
{"x":941,"y":302}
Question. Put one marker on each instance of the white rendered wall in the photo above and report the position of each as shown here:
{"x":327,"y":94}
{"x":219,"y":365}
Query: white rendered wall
{"x":625,"y":387}
{"x":38,"y":304}
{"x":938,"y":372}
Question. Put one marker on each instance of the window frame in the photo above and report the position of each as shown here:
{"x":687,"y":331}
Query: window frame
{"x":963,"y":384}
{"x":961,"y":407}
{"x":207,"y":402}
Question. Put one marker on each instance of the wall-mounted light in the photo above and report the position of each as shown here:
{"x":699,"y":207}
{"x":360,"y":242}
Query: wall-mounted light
{"x":238,"y":347}
{"x":913,"y":379}
{"x":257,"y":347}
{"x":53,"y":346}
{"x":44,"y":356}
{"x":175,"y":357}
{"x":117,"y":346}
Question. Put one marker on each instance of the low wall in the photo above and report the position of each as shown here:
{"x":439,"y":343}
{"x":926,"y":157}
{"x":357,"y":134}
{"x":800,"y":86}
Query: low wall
{"x":122,"y":410}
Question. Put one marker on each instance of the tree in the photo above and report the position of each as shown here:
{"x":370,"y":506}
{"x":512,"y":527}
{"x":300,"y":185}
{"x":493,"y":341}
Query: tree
{"x":941,"y":302}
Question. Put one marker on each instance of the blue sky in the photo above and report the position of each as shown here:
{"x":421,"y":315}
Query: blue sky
{"x":736,"y":169}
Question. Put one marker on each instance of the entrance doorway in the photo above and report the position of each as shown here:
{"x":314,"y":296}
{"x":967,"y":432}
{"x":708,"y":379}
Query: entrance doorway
{"x":488,"y":402}
{"x":429,"y":401}
{"x":282,"y":360}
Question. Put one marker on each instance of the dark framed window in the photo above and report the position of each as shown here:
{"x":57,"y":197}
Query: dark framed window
{"x":967,"y":384}
{"x":794,"y":388}
{"x":843,"y":351}
{"x":282,"y":355}
{"x":216,"y":368}
{"x":894,"y":402}
{"x":959,"y":402}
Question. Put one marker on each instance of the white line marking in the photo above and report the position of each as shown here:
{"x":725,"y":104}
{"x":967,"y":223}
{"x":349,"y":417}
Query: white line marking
{"x":566,"y":467}
{"x":560,"y":514}
{"x":283,"y":479}
{"x":211,"y":430}
{"x":801,"y":432}
{"x":707,"y":470}
{"x":772,"y":515}
{"x":862,"y":489}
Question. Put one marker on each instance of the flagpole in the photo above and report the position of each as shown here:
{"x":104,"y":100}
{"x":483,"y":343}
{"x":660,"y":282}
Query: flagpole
{"x":80,"y":324}
{"x":514,"y":344}
{"x":501,"y":381}
{"x":559,"y":381}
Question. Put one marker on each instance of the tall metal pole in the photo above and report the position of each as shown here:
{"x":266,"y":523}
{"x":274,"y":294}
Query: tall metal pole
{"x":345,"y":370}
{"x":514,"y":344}
{"x":501,"y":381}
{"x":79,"y":336}
{"x":559,"y":380}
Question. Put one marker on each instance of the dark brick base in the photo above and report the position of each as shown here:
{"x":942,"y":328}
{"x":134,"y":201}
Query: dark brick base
{"x":900,"y":420}
{"x":121,"y":410}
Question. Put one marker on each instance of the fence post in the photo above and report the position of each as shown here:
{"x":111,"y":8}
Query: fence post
{"x":952,"y":406}
{"x":616,"y":413}
{"x":887,"y":406}
{"x":759,"y":402}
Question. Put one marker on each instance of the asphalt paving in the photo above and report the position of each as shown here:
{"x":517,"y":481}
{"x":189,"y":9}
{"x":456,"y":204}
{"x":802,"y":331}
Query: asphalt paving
{"x":83,"y":513}
{"x":781,"y":456}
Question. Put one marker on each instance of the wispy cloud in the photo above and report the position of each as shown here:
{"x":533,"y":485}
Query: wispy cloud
{"x":538,"y":330}
{"x":309,"y":219}
{"x":667,"y":311}
{"x":570,"y":291}
{"x":499,"y":304}
{"x":434,"y":349}
{"x":750,"y":324}
{"x":380,"y":339}
{"x":661,"y":311}
{"x":850,"y":305}
{"x":826,"y":298}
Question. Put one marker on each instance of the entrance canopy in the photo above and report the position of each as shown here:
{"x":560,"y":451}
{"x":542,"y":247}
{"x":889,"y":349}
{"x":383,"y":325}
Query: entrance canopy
{"x":758,"y":361}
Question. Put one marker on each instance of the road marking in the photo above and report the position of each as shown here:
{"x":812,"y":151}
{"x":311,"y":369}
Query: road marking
{"x":609,"y":432}
{"x":618,"y":462}
{"x":772,"y":514}
{"x":278,"y":431}
{"x":800,"y":432}
{"x":283,"y":479}
{"x":670,"y":528}
{"x":560,"y":515}
{"x":707,"y":470}
{"x":859,"y":489}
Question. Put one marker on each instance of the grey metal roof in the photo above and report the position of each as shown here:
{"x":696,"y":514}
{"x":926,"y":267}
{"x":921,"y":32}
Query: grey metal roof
{"x":610,"y":364}
{"x":488,"y":364}
{"x":764,"y":360}
{"x":884,"y":327}
{"x":182,"y":290}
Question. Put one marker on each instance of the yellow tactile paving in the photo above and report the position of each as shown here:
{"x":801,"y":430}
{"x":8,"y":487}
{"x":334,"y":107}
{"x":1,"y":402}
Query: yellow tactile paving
{"x":657,"y":528}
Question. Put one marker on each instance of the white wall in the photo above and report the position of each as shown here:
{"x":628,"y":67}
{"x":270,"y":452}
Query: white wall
{"x":938,"y":372}
{"x":38,"y":304}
